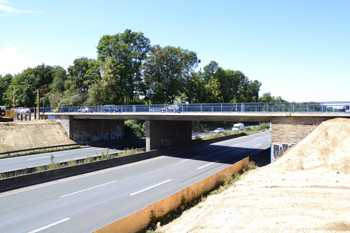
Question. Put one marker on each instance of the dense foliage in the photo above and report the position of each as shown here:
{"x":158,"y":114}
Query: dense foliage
{"x":129,"y":70}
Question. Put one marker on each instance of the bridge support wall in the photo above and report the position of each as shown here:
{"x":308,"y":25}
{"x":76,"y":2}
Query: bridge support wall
{"x":161,"y":134}
{"x":289,"y":131}
{"x":96,"y":130}
{"x":88,"y":130}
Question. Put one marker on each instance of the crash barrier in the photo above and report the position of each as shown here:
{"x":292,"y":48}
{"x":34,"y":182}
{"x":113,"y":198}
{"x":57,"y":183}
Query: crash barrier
{"x":38,"y":148}
{"x":65,"y":145}
{"x":45,"y":176}
{"x":139,"y":220}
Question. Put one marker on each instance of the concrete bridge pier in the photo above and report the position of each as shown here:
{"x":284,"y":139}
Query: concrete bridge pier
{"x":161,"y":134}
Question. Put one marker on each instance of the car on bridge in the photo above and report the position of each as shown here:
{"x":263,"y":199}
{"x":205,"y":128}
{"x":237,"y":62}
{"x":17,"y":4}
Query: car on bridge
{"x":171,"y":108}
{"x":345,"y":109}
{"x":110,"y":108}
{"x":21,"y":110}
{"x":86,"y":109}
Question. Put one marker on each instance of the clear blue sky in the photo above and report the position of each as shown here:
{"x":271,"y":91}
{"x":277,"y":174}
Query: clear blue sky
{"x":299,"y":50}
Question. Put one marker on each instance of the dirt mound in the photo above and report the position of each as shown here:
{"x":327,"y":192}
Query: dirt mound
{"x":328,"y":147}
{"x":36,"y":133}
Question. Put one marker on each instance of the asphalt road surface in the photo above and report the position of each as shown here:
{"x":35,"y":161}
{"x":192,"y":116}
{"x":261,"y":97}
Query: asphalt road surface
{"x":35,"y":160}
{"x":88,"y":202}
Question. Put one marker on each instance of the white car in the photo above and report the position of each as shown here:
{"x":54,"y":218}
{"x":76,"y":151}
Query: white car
{"x":22,"y":110}
{"x":238,"y":127}
{"x":86,"y":109}
{"x":219,"y":130}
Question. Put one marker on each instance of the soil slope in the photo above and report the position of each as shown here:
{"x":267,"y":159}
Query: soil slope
{"x":307,"y":190}
{"x":25,"y":135}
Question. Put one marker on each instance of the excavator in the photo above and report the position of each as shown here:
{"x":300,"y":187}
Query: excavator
{"x":6,"y":115}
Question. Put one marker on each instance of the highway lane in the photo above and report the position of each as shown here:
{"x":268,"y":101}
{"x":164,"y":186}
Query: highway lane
{"x":35,"y":160}
{"x":88,"y":202}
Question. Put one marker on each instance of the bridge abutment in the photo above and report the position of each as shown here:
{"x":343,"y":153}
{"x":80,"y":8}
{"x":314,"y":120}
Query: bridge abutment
{"x":289,"y":131}
{"x":161,"y":134}
{"x":91,"y":130}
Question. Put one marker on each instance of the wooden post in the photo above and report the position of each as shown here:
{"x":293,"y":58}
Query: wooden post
{"x":38,"y":101}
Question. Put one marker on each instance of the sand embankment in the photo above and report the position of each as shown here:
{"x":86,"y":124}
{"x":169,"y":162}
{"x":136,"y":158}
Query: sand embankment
{"x":32,"y":134}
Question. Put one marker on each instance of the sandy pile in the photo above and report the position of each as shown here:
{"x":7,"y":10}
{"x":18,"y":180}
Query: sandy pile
{"x":32,"y":134}
{"x":328,"y":146}
{"x":307,"y":190}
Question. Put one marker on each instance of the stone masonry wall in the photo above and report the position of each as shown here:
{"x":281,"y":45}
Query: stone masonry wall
{"x":289,"y":131}
{"x":293,"y":129}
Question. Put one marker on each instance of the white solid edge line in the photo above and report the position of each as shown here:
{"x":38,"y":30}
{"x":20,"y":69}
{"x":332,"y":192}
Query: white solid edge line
{"x":150,"y":187}
{"x":88,"y":189}
{"x":258,"y":145}
{"x":46,"y":157}
{"x":208,"y":164}
{"x":50,"y":225}
{"x":190,"y":158}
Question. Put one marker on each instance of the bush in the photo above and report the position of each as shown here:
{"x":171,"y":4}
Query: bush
{"x":134,"y":128}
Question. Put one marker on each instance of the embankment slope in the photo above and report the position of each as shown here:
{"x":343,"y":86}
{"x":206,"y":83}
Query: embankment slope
{"x":26,"y":135}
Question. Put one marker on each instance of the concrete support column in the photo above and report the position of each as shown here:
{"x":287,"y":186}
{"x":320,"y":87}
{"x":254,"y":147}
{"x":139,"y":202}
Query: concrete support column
{"x":161,"y":134}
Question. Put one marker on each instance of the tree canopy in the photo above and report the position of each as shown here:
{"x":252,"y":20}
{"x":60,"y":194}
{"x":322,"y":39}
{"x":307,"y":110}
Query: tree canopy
{"x":129,"y":70}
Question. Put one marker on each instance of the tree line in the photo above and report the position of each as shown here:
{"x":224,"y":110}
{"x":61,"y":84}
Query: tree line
{"x":129,"y":70}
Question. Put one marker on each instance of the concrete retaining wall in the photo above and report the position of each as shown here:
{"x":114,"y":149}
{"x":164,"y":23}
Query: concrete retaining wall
{"x":40,"y":177}
{"x":139,"y":220}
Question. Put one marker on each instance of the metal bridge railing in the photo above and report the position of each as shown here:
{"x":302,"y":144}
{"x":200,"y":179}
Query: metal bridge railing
{"x":212,"y":107}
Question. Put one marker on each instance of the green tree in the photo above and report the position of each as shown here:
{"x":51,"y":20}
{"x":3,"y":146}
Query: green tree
{"x":5,"y":82}
{"x":27,"y":83}
{"x":189,"y":62}
{"x":162,"y":74}
{"x":209,"y":70}
{"x":59,"y":77}
{"x":128,"y":50}
{"x":267,"y":97}
{"x":82,"y":74}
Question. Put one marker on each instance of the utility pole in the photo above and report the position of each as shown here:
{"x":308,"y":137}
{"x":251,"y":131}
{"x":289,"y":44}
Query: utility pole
{"x":38,"y":103}
{"x":13,"y":98}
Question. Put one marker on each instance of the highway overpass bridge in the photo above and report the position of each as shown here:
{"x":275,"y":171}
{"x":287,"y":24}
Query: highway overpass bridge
{"x":167,"y":129}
